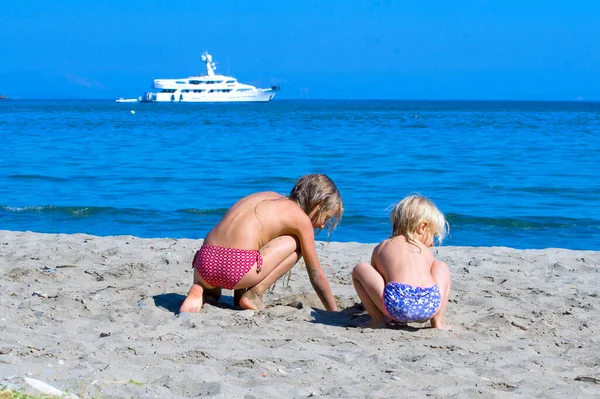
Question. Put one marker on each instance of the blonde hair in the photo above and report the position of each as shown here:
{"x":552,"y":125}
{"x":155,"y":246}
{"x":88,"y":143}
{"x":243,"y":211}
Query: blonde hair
{"x":414,"y":210}
{"x":317,"y":190}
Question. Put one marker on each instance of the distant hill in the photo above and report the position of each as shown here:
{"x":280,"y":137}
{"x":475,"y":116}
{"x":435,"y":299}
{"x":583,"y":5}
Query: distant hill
{"x":3,"y":97}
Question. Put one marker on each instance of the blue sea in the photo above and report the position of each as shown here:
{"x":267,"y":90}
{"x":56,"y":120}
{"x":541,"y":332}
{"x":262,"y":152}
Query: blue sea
{"x":516,"y":174}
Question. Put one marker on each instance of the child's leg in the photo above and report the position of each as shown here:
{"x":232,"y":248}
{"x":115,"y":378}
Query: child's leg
{"x":369,"y":285}
{"x":441,"y":274}
{"x":278,"y":257}
{"x":194,"y":300}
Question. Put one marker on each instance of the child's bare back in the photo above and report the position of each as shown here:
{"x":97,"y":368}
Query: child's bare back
{"x":253,"y":221}
{"x":400,"y":261}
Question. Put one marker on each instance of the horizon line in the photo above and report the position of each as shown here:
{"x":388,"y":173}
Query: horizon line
{"x":6,"y":98}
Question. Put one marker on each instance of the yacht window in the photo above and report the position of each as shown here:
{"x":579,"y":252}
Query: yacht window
{"x":168,"y":91}
{"x":230,"y":81}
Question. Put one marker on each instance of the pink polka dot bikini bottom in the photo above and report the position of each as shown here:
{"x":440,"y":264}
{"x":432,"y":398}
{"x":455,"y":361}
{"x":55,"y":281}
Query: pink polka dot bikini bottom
{"x":225,"y":267}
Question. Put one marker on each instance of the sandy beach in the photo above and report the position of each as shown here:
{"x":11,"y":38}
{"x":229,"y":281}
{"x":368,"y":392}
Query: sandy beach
{"x":90,"y":315}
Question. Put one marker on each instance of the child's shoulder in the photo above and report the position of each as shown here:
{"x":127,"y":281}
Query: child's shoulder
{"x":394,"y":243}
{"x":394,"y":240}
{"x":279,"y":204}
{"x":266,"y":195}
{"x":384,"y":242}
{"x":382,"y":245}
{"x":265,"y":198}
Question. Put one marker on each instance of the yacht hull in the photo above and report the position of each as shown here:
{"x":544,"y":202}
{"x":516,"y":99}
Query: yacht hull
{"x":261,"y":95}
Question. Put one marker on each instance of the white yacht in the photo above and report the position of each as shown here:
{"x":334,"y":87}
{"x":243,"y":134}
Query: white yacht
{"x":207,"y":88}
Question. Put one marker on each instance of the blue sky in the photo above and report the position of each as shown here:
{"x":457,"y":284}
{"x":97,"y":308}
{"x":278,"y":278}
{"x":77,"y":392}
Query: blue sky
{"x":383,"y":49}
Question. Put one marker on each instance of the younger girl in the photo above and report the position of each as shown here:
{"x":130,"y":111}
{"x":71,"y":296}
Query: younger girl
{"x":404,"y":281}
{"x":262,"y":237}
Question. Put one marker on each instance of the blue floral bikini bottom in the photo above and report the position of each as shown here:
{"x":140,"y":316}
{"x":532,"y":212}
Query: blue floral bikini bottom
{"x":406,"y":303}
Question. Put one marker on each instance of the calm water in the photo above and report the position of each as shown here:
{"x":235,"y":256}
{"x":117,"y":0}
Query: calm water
{"x":518,"y":174}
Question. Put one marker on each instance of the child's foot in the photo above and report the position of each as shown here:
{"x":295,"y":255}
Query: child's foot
{"x":441,"y":325}
{"x":193,"y":302}
{"x":373,"y":323}
{"x":191,"y":305}
{"x":251,"y":300}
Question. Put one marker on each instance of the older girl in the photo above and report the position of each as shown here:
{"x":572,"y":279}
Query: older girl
{"x":262,"y":237}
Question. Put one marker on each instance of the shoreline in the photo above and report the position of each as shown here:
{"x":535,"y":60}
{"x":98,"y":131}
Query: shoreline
{"x":77,"y":308}
{"x":319,"y":241}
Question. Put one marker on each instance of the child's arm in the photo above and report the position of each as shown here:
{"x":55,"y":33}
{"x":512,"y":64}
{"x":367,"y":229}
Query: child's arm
{"x":306,"y":236}
{"x":321,"y":285}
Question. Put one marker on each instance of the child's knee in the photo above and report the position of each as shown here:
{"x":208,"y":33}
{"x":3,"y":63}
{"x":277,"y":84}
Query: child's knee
{"x":360,"y":269}
{"x":440,"y":272}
